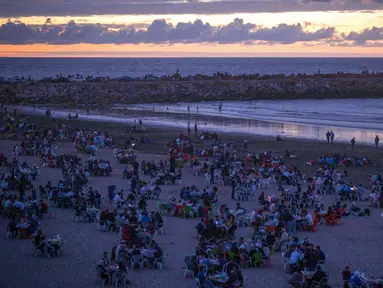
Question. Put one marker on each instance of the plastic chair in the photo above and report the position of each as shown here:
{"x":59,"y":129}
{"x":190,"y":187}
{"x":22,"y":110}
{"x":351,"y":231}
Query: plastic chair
{"x":189,"y":269}
{"x":205,"y":269}
{"x":266,"y":258}
{"x":160,"y":262}
{"x":198,"y":282}
{"x":245,"y":259}
{"x":8,"y":231}
{"x":119,"y":277}
{"x":100,"y":273}
{"x":321,"y":284}
{"x":137,"y":260}
{"x":178,"y":181}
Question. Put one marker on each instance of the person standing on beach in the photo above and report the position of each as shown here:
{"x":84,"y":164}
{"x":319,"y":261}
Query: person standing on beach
{"x":189,"y":109}
{"x":376,"y":141}
{"x":167,"y":108}
{"x":197,"y":109}
{"x":195,"y":128}
{"x":353,"y":144}
{"x":189,"y":130}
{"x":154,"y":109}
{"x":332,"y":135}
{"x":245,"y":145}
{"x":220,"y":107}
{"x":328,"y":136}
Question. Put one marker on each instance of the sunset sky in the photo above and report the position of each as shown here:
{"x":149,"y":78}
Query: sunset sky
{"x":191,"y":28}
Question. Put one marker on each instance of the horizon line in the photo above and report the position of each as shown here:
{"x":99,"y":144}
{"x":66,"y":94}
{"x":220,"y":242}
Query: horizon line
{"x":180,"y":56}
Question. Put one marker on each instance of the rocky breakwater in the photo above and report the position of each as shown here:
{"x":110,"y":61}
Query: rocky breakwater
{"x":101,"y":93}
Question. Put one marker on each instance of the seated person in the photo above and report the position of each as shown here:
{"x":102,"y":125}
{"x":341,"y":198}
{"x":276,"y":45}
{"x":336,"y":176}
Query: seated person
{"x":12,"y":227}
{"x":296,"y":279}
{"x":321,"y":254}
{"x":43,"y":208}
{"x":318,"y":276}
{"x":356,"y":280}
{"x":34,"y":224}
{"x":39,"y":240}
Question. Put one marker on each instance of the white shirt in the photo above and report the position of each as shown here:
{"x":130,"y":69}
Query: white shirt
{"x":19,"y":205}
{"x":117,"y":198}
{"x":309,"y":219}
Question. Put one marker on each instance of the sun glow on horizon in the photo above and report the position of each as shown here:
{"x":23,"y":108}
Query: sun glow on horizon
{"x":343,"y":23}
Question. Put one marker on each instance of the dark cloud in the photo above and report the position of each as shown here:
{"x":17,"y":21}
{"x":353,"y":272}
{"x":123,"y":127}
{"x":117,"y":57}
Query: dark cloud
{"x":11,"y":8}
{"x":370,"y":34}
{"x":160,"y":31}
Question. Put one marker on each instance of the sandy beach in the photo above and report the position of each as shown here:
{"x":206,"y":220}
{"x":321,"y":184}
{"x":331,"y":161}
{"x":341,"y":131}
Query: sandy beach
{"x":356,"y":241}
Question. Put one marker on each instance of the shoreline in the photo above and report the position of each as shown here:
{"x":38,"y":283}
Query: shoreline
{"x":171,"y":124}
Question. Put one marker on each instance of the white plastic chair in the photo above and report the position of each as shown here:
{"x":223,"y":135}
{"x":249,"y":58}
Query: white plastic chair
{"x":8,"y":232}
{"x":178,"y":181}
{"x":188,"y":268}
{"x":207,"y":178}
{"x":137,"y":260}
{"x":160,"y":262}
{"x":266,"y":183}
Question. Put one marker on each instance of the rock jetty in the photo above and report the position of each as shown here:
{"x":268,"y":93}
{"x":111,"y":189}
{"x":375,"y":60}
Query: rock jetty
{"x":130,"y":92}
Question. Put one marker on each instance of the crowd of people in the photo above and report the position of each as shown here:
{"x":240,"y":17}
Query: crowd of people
{"x":220,"y":256}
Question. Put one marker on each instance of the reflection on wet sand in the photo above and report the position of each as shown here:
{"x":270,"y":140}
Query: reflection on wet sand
{"x":221,"y":124}
{"x":265,"y":128}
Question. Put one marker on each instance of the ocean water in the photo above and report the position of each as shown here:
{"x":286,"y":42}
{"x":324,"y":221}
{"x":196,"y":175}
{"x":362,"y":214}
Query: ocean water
{"x":303,"y":119}
{"x":39,"y":68}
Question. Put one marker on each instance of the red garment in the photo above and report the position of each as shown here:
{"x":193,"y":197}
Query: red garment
{"x":126,"y":234}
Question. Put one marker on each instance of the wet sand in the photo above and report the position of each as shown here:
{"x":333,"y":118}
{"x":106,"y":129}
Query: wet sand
{"x":177,"y":118}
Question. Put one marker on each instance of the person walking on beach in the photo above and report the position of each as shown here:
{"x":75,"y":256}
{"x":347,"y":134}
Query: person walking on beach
{"x":353,"y":144}
{"x":220,"y":107}
{"x":245,"y":145}
{"x":328,"y":136}
{"x":167,"y":108}
{"x":376,"y":141}
{"x":189,"y":130}
{"x":154,"y":109}
{"x":189,"y":109}
{"x":195,"y":128}
{"x":332,"y":135}
{"x":197,"y":109}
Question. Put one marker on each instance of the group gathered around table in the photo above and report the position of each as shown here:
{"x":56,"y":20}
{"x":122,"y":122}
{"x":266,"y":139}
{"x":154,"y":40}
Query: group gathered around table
{"x":220,"y":257}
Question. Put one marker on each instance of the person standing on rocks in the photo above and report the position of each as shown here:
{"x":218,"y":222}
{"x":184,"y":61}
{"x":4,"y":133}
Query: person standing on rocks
{"x":332,"y":135}
{"x":376,"y":141}
{"x":353,"y":144}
